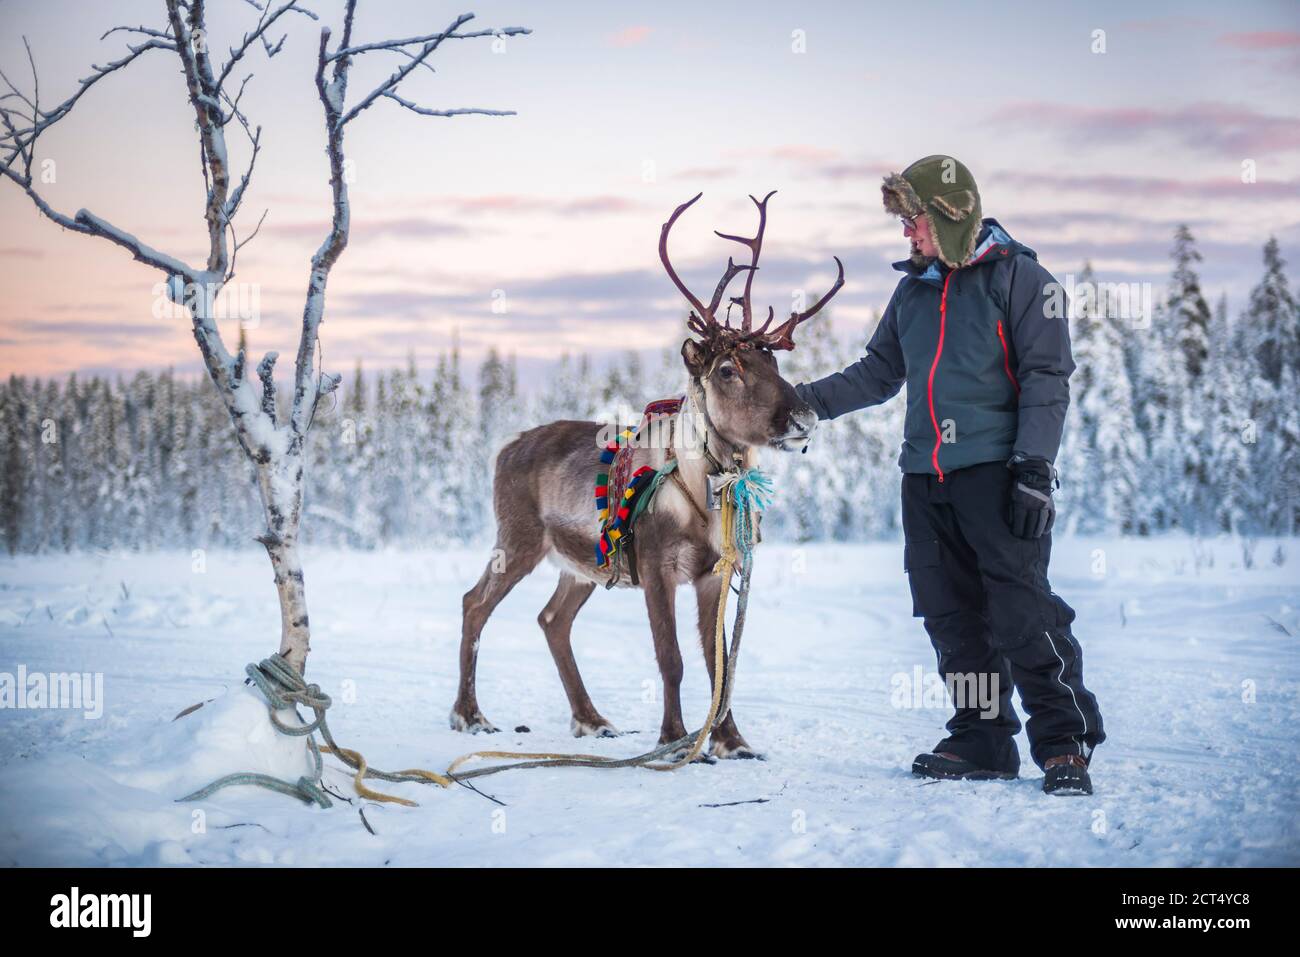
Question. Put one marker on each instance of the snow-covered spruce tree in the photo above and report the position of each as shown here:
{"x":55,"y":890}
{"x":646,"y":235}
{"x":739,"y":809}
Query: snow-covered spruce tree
{"x":1270,"y":327}
{"x":1230,"y":433}
{"x":1102,"y":451}
{"x":16,"y":480}
{"x":1269,"y":339}
{"x":497,"y":411}
{"x":275,"y":443}
{"x":1174,"y":376}
{"x":1189,"y":313}
{"x":1189,"y":316}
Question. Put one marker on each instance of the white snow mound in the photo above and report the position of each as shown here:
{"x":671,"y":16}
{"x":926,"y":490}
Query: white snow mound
{"x":228,"y":735}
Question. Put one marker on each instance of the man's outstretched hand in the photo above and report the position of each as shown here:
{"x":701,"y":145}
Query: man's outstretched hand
{"x":1031,"y":512}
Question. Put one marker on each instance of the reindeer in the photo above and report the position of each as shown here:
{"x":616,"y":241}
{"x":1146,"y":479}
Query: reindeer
{"x":739,"y":404}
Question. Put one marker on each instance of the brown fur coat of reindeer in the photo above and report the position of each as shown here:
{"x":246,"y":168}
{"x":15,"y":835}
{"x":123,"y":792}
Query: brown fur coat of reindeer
{"x":736,"y":403}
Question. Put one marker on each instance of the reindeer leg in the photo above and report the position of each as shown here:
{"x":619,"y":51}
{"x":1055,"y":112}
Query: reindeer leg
{"x":556,"y":620}
{"x":660,"y":594}
{"x":508,"y":566}
{"x":726,"y":740}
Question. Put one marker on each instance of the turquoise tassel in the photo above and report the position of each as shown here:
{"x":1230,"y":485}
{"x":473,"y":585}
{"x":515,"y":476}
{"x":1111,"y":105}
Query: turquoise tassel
{"x":751,"y":492}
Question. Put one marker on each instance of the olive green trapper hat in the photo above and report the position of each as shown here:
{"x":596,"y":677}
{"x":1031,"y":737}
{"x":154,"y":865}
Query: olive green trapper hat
{"x":943,"y":191}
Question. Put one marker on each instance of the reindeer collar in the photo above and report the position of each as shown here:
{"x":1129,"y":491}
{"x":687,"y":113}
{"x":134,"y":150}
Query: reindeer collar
{"x":695,"y":395}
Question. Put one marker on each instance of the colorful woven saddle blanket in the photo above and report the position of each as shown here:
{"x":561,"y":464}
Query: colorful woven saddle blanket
{"x":622,"y":494}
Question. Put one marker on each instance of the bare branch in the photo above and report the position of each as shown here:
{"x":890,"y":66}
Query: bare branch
{"x":144,"y":31}
{"x":140,"y":251}
{"x":273,"y":50}
{"x":391,"y":83}
{"x":264,"y":23}
{"x":445,"y":35}
{"x":36,"y":103}
{"x":239,"y":244}
{"x":411,"y":56}
{"x":332,"y":95}
{"x":204,"y":96}
{"x":234,"y":104}
{"x":232,"y":204}
{"x":424,"y":111}
{"x":22,"y":141}
{"x":90,"y":224}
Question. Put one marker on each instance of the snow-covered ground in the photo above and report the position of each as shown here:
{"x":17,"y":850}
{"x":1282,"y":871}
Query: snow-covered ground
{"x":1193,"y":659}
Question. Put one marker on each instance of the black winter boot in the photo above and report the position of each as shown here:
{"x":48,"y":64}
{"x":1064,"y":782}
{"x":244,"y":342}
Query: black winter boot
{"x":945,"y":765}
{"x":1066,"y":774}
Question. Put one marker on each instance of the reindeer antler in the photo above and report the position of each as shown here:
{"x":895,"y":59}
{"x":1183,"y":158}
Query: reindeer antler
{"x":703,"y":320}
{"x":782,"y":337}
{"x":700,"y":312}
{"x":755,"y":248}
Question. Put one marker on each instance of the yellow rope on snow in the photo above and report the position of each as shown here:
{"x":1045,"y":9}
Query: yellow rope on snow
{"x":358,"y":761}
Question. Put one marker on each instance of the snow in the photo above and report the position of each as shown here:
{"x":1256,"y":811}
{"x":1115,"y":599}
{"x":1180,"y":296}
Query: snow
{"x":1192,"y":657}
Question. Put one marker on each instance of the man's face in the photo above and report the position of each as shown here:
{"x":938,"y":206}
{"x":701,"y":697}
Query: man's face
{"x":917,"y":231}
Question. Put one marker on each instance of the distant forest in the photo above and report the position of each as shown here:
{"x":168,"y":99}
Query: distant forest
{"x":1186,"y":420}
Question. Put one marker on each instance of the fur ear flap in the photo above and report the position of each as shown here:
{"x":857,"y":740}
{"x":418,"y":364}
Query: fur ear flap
{"x":956,"y":205}
{"x":696,"y":357}
{"x":899,"y":197}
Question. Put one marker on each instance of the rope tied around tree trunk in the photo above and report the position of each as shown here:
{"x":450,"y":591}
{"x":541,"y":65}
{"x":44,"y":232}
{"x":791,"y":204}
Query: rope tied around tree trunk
{"x":284,"y":688}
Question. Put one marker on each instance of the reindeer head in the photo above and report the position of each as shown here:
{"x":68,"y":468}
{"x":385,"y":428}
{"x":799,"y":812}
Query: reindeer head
{"x":746,"y":400}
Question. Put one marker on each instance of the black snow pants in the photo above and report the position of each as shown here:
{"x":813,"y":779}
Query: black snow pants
{"x":990,"y":611}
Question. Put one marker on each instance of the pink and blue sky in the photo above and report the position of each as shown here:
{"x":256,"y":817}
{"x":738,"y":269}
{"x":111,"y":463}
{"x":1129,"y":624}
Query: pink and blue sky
{"x":626,"y":110}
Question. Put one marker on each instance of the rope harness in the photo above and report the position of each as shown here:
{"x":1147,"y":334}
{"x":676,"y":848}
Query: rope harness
{"x":744,"y":494}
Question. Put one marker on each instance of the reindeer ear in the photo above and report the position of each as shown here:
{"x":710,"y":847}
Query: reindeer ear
{"x":696,"y":357}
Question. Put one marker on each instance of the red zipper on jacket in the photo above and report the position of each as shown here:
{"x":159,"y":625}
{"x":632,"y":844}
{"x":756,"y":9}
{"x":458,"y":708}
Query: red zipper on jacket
{"x":938,"y":351}
{"x":1006,"y":358}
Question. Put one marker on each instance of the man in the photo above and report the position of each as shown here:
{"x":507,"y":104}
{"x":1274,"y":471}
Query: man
{"x":976,"y":330}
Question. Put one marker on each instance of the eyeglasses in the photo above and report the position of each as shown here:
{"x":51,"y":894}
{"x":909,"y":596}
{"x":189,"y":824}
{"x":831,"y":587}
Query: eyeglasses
{"x":909,"y":222}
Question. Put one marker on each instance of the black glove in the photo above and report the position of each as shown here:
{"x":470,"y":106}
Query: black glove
{"x":1031,"y":511}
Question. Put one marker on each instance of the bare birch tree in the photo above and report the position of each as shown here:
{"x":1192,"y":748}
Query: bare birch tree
{"x":275,"y":443}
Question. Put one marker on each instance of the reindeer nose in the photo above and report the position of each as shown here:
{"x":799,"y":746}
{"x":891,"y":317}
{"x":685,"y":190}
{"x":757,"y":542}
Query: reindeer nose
{"x":804,"y":421}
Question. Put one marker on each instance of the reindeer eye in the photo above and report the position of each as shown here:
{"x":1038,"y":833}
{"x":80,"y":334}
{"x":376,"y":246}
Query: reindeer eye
{"x":727,"y":373}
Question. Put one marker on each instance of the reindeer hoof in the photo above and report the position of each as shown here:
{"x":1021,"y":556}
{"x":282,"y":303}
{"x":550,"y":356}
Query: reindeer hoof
{"x":735,"y":751}
{"x":599,"y":728}
{"x":701,"y":758}
{"x":477,"y":724}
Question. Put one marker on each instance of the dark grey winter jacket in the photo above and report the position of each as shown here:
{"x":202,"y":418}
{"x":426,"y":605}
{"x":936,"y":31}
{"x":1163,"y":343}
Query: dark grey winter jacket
{"x":985,"y":353}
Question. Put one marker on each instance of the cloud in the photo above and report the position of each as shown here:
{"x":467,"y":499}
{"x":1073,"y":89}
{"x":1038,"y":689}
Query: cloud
{"x":1262,"y":40}
{"x":854,"y":170}
{"x":405,"y":227}
{"x":629,"y":37}
{"x":440,"y":207}
{"x":1221,"y":128}
{"x":1145,"y":187}
{"x":520,"y":203}
{"x":1167,"y":24}
{"x":63,"y":333}
{"x":708,"y":172}
{"x":803,"y":153}
{"x":1091,"y":217}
